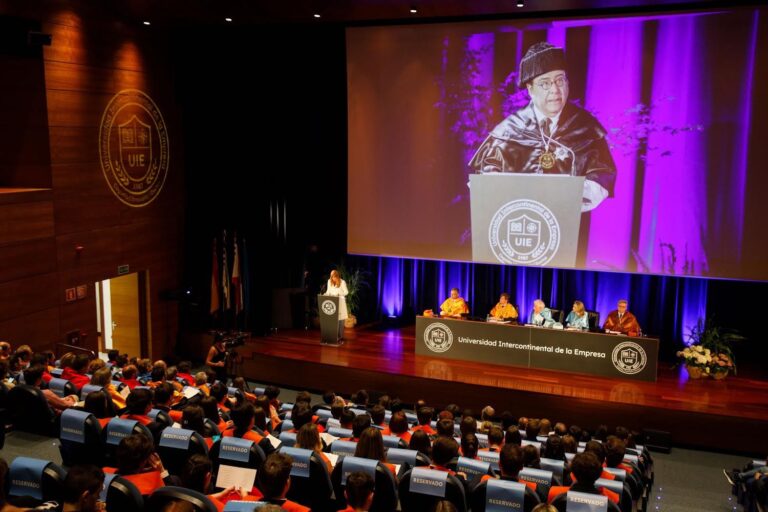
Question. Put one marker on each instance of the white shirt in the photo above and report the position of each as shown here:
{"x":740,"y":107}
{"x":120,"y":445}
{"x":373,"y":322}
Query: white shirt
{"x":340,"y":291}
{"x":540,"y":117}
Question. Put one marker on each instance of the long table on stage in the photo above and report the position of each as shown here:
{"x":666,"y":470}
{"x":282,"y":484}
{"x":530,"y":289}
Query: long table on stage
{"x":591,"y":353}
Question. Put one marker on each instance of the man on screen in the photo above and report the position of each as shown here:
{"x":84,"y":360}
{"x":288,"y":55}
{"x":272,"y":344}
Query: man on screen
{"x":550,"y":135}
{"x":454,"y":306}
{"x":621,"y":320}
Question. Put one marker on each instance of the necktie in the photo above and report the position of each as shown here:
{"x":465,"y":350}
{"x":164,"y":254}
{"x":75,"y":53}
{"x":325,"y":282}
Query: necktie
{"x":547,"y":126}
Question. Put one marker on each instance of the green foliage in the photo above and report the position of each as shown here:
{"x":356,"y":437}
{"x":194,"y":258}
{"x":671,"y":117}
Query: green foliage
{"x":718,"y":339}
{"x":357,"y":284}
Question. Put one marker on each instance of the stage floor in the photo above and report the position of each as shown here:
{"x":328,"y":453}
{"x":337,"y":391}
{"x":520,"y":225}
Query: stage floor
{"x":700,"y":413}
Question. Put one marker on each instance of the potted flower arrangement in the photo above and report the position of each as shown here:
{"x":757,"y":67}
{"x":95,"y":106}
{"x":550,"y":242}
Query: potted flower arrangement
{"x":697,"y":360}
{"x":710,"y":352}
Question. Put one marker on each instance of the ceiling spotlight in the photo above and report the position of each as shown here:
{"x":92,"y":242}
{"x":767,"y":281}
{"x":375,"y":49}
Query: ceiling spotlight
{"x":316,"y":15}
{"x":147,"y":23}
{"x":413,"y":10}
{"x":520,"y":3}
{"x":228,"y":20}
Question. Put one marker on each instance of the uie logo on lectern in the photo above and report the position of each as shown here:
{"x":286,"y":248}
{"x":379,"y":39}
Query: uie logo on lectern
{"x":524,"y":232}
{"x":438,"y":337}
{"x":328,"y":307}
{"x":629,"y":358}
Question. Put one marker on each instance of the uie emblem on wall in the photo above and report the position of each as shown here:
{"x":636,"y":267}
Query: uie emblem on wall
{"x":133,"y":147}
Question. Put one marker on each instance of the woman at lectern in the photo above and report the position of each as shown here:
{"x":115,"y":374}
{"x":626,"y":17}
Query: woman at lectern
{"x":504,"y":310}
{"x":578,"y":317}
{"x":337,"y":287}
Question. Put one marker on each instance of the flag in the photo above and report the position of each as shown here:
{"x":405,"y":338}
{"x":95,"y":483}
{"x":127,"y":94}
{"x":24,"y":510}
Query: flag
{"x":237,"y":284}
{"x":246,"y":279}
{"x":215,"y":304}
{"x":227,"y":303}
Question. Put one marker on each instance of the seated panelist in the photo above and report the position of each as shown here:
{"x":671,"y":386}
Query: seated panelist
{"x":621,"y":320}
{"x":578,"y":317}
{"x":541,"y":315}
{"x":454,"y":306}
{"x":504,"y":310}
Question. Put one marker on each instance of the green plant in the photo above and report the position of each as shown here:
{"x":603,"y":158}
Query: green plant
{"x":718,"y":340}
{"x":357,"y":283}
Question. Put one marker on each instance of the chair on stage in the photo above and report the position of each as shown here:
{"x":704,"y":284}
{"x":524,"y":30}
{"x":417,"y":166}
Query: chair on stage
{"x":593,"y":317}
{"x":557,"y":315}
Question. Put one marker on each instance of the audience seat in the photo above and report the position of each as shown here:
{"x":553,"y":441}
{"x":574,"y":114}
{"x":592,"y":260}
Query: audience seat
{"x":160,"y":417}
{"x":417,"y":498}
{"x":561,"y":504}
{"x":177,"y":445}
{"x":385,"y":495}
{"x":478,"y":497}
{"x":165,"y":495}
{"x":34,"y":481}
{"x":233,"y":451}
{"x":28,"y":411}
{"x":80,"y":438}
{"x":310,"y":481}
{"x":115,"y":431}
{"x":120,"y":495}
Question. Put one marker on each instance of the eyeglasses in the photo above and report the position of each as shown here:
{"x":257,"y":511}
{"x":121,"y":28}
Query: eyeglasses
{"x":546,"y":84}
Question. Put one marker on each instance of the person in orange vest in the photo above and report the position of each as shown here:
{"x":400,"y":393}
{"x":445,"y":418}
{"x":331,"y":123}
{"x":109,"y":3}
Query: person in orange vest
{"x":586,"y":469}
{"x":243,"y":418}
{"x":197,"y":475}
{"x":275,"y":481}
{"x":371,"y":446}
{"x":359,"y":492}
{"x":82,"y":487}
{"x":138,"y":463}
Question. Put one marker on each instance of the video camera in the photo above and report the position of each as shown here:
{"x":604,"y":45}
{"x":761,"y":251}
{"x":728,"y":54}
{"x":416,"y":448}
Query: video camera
{"x":230,"y":339}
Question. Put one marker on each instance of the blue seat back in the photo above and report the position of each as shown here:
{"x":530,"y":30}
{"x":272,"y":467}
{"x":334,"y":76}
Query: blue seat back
{"x":26,"y":477}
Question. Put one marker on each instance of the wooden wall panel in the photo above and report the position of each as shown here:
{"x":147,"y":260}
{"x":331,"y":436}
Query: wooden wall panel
{"x":94,"y":56}
{"x":25,"y":221}
{"x":74,"y":145}
{"x":79,"y":77}
{"x":100,"y":247}
{"x":24,"y":296}
{"x":39,"y":329}
{"x":27,"y":259}
{"x":80,"y":315}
